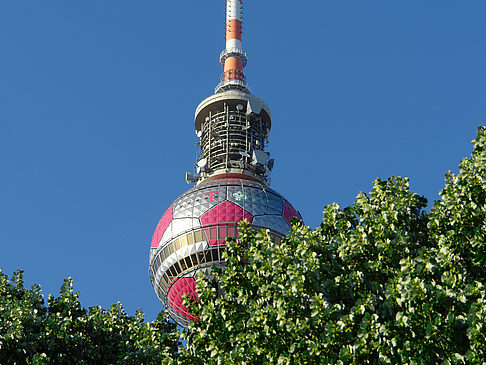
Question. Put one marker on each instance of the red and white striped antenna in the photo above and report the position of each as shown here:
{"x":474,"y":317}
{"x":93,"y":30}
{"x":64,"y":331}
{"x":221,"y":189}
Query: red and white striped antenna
{"x":233,"y":58}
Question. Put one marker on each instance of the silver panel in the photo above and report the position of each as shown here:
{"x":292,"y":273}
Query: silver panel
{"x":276,"y":223}
{"x":182,"y":206}
{"x":255,"y":209}
{"x":259,"y":196}
{"x":275,"y":204}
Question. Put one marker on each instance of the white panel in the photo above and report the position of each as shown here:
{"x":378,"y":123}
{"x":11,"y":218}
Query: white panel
{"x":184,"y":251}
{"x":233,"y":10}
{"x":192,"y":249}
{"x":201,"y":246}
{"x":233,"y":43}
{"x":182,"y":225}
{"x":167,"y":235}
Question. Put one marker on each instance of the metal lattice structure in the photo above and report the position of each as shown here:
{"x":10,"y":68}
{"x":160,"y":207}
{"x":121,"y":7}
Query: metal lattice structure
{"x":231,"y":183}
{"x":228,"y":138}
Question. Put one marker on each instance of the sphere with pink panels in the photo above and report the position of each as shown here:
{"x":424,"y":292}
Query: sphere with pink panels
{"x":190,"y":236}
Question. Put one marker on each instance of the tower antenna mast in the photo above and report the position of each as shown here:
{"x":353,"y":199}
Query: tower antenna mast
{"x":233,"y":58}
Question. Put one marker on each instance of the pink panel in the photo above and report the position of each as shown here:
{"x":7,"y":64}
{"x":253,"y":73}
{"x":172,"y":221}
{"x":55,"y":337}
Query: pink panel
{"x":290,"y":212}
{"x":230,"y":177}
{"x":181,"y":287}
{"x":225,"y":212}
{"x":161,"y":227}
{"x":229,"y":180}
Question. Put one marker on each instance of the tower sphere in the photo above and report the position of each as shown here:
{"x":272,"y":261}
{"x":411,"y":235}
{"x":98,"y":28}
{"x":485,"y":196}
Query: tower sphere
{"x":190,"y":236}
{"x":231,"y":183}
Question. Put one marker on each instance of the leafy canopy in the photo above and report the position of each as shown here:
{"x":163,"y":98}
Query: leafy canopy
{"x":65,"y":333}
{"x":382,"y":281}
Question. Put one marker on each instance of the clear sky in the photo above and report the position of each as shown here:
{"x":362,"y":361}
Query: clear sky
{"x":97,"y":100}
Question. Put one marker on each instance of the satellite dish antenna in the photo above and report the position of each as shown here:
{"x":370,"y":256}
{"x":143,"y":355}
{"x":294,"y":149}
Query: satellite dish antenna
{"x":239,"y":107}
{"x":202,"y":162}
{"x":199,"y":134}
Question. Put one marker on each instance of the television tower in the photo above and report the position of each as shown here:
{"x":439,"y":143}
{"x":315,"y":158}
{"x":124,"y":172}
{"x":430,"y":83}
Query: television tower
{"x":231,"y":183}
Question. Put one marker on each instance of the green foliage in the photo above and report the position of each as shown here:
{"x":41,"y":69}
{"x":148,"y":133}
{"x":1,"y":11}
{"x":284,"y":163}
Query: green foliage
{"x":382,"y":281}
{"x":65,"y":333}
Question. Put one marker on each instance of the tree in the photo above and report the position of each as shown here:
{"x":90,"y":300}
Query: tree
{"x":65,"y":333}
{"x":382,"y":281}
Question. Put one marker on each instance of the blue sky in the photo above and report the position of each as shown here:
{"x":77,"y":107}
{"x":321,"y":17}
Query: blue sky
{"x":96,"y":117}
